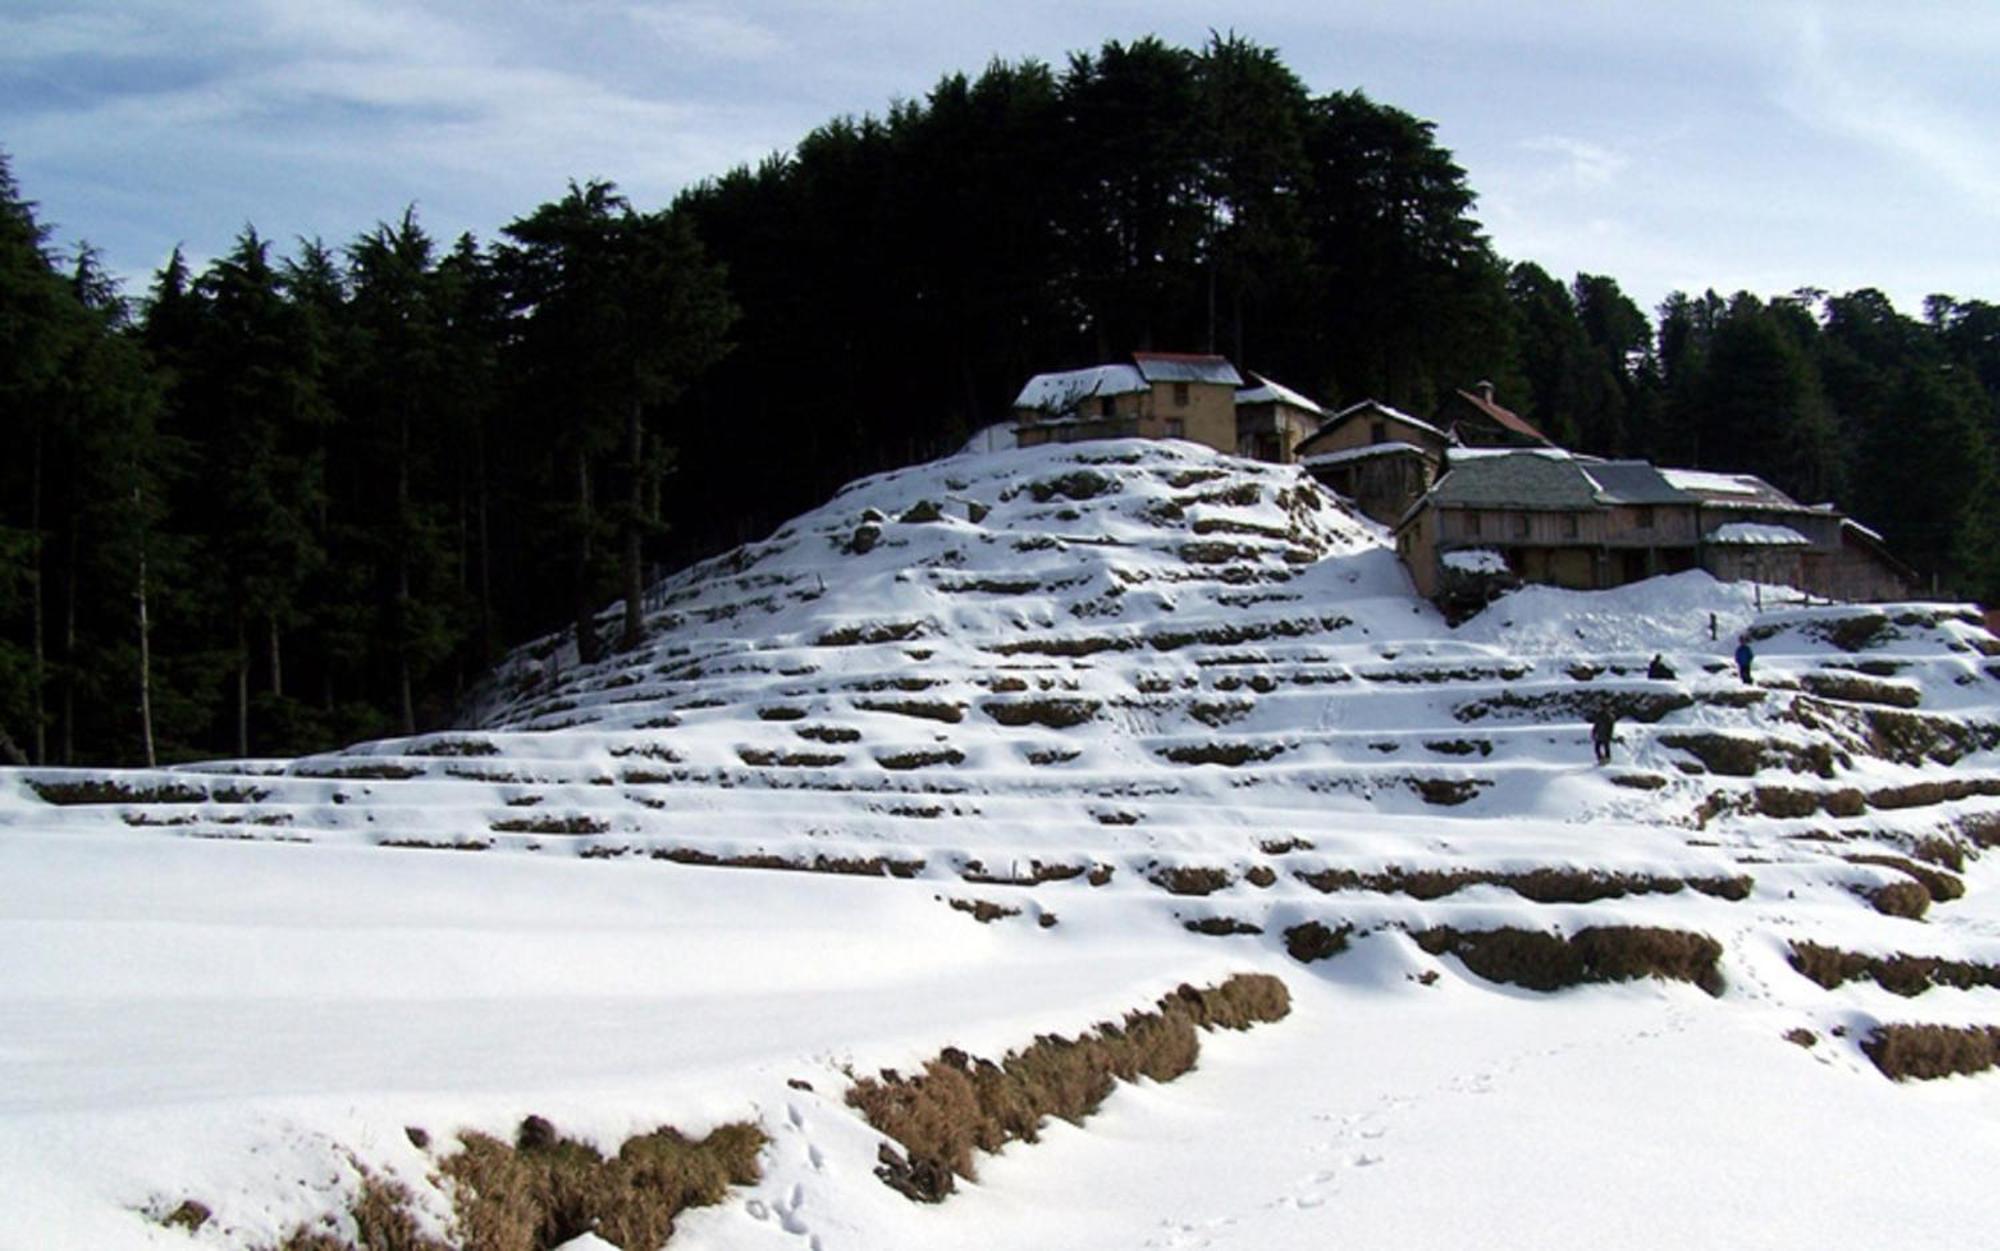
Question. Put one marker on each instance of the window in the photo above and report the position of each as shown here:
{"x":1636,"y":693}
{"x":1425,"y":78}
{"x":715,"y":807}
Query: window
{"x":1569,"y":525}
{"x":1176,"y":428}
{"x":1180,"y":395}
{"x":1645,"y":519}
{"x":1378,"y":432}
{"x":1104,"y":406}
{"x":1520,"y":525}
{"x":1472,"y":525}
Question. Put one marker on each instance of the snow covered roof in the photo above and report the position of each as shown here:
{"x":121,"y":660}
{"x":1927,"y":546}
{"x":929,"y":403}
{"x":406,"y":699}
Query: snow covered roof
{"x":1055,"y":392}
{"x":1186,"y":367}
{"x":1731,"y":490}
{"x":1269,"y":392}
{"x":1757,"y":534}
{"x":1362,"y":453}
{"x":1390,"y":413}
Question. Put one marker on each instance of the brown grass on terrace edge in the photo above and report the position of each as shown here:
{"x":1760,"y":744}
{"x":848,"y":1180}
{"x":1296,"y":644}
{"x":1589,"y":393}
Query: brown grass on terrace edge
{"x":1928,"y":1051}
{"x":545,"y":1190}
{"x":1543,"y":961}
{"x":1546,"y":885}
{"x":960,"y":1103}
{"x":1900,"y":973}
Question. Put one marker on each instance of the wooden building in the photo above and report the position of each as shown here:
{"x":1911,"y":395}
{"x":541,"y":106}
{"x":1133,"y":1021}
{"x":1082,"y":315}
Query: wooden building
{"x":1500,"y":516}
{"x":1272,"y":421}
{"x":1378,"y":457}
{"x":1476,"y":419}
{"x":1160,"y":395}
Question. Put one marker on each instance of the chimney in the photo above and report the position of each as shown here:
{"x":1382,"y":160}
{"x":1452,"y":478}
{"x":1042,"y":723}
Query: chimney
{"x":1485,"y":390}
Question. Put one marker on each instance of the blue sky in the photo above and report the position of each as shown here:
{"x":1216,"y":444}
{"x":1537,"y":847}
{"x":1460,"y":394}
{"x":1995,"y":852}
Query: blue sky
{"x":1688,"y":145}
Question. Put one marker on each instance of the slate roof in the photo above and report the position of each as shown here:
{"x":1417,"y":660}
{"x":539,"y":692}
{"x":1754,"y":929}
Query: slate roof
{"x":1633,"y":482}
{"x":1527,"y":479}
{"x":1186,"y":367}
{"x":1732,"y":490}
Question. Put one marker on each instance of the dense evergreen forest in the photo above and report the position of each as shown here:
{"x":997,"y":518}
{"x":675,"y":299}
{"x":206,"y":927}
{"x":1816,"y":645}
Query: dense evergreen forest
{"x":308,"y":494}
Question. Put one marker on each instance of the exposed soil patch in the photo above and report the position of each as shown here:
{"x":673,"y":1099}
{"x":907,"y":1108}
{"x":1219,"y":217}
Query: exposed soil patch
{"x":960,"y":1104}
{"x":827,"y":733}
{"x":875,"y":632}
{"x":766,"y":758}
{"x":983,"y":911}
{"x":1941,"y":886}
{"x":453,"y":747}
{"x":1856,"y":689}
{"x":1742,"y":756}
{"x":1897,"y":899}
{"x":1924,"y":794}
{"x":1249,"y":632}
{"x":80,"y":791}
{"x":1643,"y":706}
{"x":1447,"y":792}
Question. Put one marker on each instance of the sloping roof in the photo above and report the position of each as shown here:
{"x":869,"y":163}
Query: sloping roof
{"x":1731,"y":490}
{"x":1505,"y":418}
{"x":1186,"y":367}
{"x":1269,"y":392}
{"x":1518,"y":480}
{"x":1365,"y":452}
{"x":1633,"y":482}
{"x":1354,"y":412}
{"x":1058,"y":391}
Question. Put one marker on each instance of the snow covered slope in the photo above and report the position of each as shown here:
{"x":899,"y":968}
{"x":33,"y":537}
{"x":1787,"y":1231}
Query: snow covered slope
{"x":1181,"y":714}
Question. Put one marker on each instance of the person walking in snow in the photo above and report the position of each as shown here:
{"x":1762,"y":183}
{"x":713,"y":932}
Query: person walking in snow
{"x":1660,"y":670}
{"x":1601,"y":727}
{"x":1743,"y":657}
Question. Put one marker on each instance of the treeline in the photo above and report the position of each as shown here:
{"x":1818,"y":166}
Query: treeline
{"x":303,"y":497}
{"x":299,"y":501}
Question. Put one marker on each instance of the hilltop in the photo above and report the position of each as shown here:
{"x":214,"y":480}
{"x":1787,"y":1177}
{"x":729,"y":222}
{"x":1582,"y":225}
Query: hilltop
{"x":990,"y":748}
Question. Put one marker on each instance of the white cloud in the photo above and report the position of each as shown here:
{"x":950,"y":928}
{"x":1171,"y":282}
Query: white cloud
{"x":1848,"y":97}
{"x":1584,"y":164}
{"x":708,"y":31}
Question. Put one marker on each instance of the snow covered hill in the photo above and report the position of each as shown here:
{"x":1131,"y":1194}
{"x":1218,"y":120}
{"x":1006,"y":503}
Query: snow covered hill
{"x":1000,"y":746}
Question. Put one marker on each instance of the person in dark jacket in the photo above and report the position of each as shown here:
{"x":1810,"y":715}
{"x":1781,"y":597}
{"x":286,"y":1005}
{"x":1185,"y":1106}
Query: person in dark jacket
{"x":1601,"y":729}
{"x":1660,"y":670}
{"x":1743,"y":657}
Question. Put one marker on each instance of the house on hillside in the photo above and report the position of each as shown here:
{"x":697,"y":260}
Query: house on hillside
{"x":1476,"y":419}
{"x":1379,"y":457}
{"x":1752,"y":530}
{"x":1160,"y":395}
{"x":1500,"y":516}
{"x":1272,"y":421}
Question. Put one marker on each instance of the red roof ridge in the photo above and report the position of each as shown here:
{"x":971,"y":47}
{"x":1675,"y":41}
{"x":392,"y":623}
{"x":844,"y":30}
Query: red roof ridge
{"x":1506,"y":417}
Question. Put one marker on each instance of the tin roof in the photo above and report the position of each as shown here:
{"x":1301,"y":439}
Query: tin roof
{"x":1269,"y":392}
{"x":1506,"y":418}
{"x":1053,"y":393}
{"x":1633,"y":482}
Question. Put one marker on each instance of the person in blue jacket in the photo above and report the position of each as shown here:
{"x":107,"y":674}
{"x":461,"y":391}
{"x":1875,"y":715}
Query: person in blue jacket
{"x":1743,"y":657}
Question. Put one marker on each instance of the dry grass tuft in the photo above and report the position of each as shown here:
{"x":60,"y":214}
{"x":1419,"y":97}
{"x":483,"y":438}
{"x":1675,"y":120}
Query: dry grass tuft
{"x":1545,"y":885}
{"x":1897,"y":899}
{"x":849,"y":866}
{"x":1054,"y":713}
{"x":190,"y":1215}
{"x":1801,"y":1037}
{"x":983,"y":911}
{"x":1220,"y":927}
{"x":960,"y":1104}
{"x":1928,"y":1051}
{"x":1543,"y":961}
{"x":1191,"y":879}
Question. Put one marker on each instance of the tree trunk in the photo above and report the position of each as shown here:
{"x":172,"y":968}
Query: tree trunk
{"x":242,"y":688}
{"x":403,"y":537}
{"x":146,"y":662}
{"x":635,"y":504}
{"x":68,"y":749}
{"x":586,"y":625}
{"x":39,"y":671}
{"x":277,"y":660}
